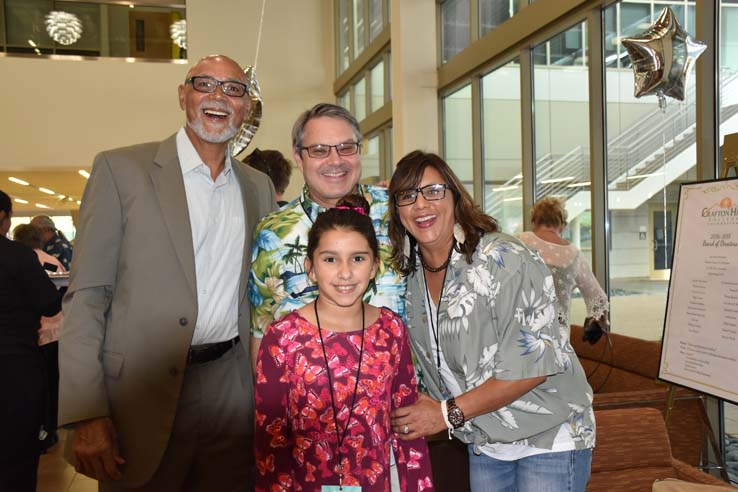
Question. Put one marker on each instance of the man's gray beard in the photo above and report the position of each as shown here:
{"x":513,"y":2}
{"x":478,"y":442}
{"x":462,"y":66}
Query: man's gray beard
{"x":212,"y":137}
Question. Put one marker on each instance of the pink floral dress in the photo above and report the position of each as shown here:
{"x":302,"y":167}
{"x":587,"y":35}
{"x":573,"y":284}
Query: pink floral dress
{"x":296,"y":442}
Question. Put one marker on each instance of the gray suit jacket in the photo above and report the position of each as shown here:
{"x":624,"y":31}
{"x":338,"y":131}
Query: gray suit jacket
{"x":131,"y":308}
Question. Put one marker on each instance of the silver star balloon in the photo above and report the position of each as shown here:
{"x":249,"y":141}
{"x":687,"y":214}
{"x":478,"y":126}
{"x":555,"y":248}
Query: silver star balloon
{"x":663,"y":57}
{"x":251,"y":123}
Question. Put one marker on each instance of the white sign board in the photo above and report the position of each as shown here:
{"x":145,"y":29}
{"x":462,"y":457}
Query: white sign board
{"x":700,"y":341}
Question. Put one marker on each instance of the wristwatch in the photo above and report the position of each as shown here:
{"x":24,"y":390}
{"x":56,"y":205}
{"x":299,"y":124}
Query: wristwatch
{"x":455,"y":415}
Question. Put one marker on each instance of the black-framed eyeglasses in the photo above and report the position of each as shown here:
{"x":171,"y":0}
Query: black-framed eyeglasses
{"x":208,"y":85}
{"x":321,"y":151}
{"x":430,"y":192}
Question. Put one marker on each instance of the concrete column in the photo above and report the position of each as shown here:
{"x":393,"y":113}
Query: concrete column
{"x":415,"y":105}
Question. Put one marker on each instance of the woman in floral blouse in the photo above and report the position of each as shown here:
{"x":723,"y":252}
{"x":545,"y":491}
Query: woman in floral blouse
{"x":481,"y":313}
{"x":329,"y":373}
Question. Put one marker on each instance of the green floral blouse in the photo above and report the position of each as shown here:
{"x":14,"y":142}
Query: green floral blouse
{"x":498,"y":319}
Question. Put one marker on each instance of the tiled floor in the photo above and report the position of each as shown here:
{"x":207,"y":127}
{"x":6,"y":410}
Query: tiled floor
{"x":56,"y":475}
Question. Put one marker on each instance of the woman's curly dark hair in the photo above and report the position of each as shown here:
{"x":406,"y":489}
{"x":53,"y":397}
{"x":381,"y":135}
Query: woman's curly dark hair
{"x":407,"y":176}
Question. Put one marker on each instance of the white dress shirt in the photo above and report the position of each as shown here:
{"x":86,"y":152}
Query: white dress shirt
{"x":218,"y":229}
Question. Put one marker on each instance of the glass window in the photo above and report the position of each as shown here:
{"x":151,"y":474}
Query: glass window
{"x":649,"y":153}
{"x":358,"y":27}
{"x":561,"y":138}
{"x":494,"y":12}
{"x":344,"y":101}
{"x":376,"y":76}
{"x":728,"y":95}
{"x":567,"y":48}
{"x":457,"y":134}
{"x":25,"y":24}
{"x":501,"y":142}
{"x":375,"y":19}
{"x":89,"y":15}
{"x":343,"y":35}
{"x":360,"y":99}
{"x":454,"y":28}
{"x":370,"y":159}
{"x":140,"y":32}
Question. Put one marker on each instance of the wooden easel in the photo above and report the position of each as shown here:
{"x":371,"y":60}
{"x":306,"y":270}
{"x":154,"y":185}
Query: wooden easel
{"x":730,"y":155}
{"x":703,"y":413}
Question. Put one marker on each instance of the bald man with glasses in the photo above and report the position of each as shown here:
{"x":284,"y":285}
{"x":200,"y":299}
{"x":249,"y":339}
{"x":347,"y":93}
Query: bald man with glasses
{"x":156,"y":379}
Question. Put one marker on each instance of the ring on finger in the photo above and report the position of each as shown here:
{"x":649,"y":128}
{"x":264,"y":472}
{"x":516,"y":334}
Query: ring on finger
{"x":405,"y":429}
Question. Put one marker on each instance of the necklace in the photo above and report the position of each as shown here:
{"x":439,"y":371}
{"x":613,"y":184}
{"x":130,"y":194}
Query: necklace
{"x":341,"y":435}
{"x":443,"y":266}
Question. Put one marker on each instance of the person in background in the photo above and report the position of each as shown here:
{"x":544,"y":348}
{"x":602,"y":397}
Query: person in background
{"x":329,"y":373}
{"x":26,"y":294}
{"x":32,"y":236}
{"x":55,"y":242}
{"x":48,"y":332}
{"x":482,"y":320}
{"x":569,"y":268}
{"x":154,"y":352}
{"x":273,"y":164}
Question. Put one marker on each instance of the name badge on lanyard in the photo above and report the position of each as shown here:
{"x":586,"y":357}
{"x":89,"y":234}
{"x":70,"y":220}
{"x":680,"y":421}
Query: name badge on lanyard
{"x":339,"y":488}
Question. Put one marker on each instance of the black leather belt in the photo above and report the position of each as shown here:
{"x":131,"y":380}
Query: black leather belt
{"x":200,"y":354}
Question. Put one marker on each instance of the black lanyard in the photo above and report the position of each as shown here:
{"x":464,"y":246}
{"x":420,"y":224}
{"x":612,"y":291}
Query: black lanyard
{"x":434,"y":323}
{"x":341,"y":435}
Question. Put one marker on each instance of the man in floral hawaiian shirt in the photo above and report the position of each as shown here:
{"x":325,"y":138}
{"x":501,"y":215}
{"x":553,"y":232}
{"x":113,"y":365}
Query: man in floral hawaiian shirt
{"x":326,"y":142}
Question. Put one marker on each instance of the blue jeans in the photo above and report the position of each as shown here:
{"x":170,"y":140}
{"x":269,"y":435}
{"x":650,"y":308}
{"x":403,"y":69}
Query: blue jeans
{"x":566,"y":471}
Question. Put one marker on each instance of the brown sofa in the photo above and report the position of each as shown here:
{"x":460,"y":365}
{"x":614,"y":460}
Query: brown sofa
{"x":626,"y":377}
{"x":633,"y":451}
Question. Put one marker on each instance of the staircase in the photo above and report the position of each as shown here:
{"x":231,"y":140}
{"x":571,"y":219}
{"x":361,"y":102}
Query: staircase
{"x":634,"y":157}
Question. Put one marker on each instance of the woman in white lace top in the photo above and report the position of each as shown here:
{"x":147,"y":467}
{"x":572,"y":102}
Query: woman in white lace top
{"x":569,"y":268}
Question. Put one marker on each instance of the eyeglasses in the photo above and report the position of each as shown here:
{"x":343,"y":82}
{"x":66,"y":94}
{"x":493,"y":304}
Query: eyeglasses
{"x":321,"y":151}
{"x":208,"y":85}
{"x":431,"y":192}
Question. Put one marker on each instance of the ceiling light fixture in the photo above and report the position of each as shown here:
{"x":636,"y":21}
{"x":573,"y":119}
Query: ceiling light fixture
{"x":63,"y":27}
{"x":46,"y":190}
{"x":18,"y":181}
{"x":84,"y":174}
{"x":20,"y":200}
{"x":41,"y":205}
{"x":178,"y":33}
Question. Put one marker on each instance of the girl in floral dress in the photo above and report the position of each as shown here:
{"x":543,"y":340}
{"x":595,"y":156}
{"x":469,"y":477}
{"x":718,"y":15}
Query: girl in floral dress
{"x":329,"y":374}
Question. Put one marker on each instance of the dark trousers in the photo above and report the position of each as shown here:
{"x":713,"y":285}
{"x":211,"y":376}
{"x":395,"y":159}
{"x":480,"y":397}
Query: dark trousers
{"x":21,"y":411}
{"x":50,"y":353}
{"x":211,"y":446}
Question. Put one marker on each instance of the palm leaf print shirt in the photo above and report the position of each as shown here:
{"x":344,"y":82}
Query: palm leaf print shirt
{"x":498,"y":319}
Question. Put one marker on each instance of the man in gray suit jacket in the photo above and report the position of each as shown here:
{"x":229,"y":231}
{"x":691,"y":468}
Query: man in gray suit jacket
{"x":154,"y":352}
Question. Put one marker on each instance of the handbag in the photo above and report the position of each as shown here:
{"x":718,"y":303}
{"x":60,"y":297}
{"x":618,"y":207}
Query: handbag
{"x":592,"y":330}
